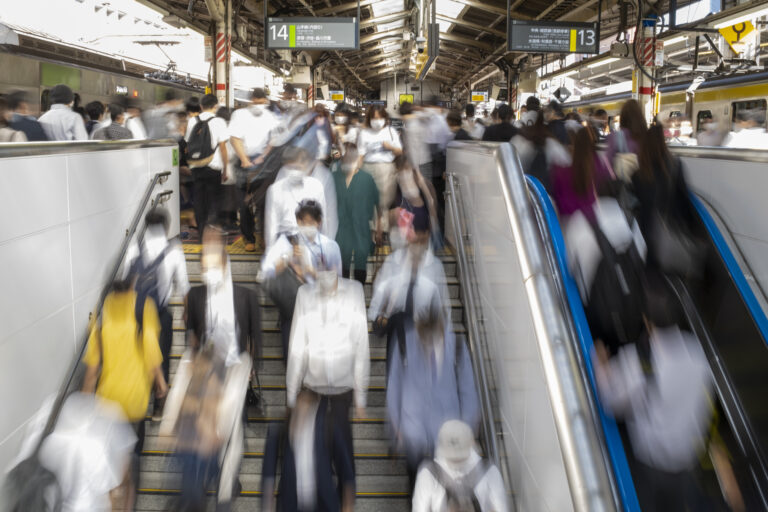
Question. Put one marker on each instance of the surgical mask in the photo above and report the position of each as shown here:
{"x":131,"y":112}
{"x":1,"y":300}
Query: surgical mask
{"x":347,"y":168}
{"x":294,"y":175}
{"x":341,"y":120}
{"x":308,"y":232}
{"x":213,"y":277}
{"x":326,"y":280}
{"x":286,"y":104}
{"x":378,"y":124}
{"x":257,"y":110}
{"x":710,"y":127}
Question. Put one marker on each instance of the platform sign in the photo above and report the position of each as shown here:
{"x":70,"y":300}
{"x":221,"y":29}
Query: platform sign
{"x":406,"y":97}
{"x":552,"y":37}
{"x":337,"y":95}
{"x":368,"y":103}
{"x":736,"y":35}
{"x":299,"y":33}
{"x":479,"y":96}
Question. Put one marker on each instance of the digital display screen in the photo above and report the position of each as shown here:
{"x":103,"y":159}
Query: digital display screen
{"x":312,"y":33}
{"x":552,"y":37}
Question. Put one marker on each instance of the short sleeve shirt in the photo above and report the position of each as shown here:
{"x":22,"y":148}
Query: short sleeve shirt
{"x":370,"y":144}
{"x":219,"y":134}
{"x":253,"y":130}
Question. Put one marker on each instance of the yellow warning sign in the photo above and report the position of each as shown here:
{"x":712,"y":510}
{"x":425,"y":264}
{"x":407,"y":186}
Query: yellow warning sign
{"x":735,"y":35}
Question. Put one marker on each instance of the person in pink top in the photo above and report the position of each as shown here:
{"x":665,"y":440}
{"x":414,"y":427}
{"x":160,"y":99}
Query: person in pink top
{"x":574,"y":186}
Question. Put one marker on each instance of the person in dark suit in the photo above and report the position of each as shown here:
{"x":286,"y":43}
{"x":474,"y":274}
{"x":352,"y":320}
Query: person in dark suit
{"x":21,"y":120}
{"x":454,"y":123}
{"x":503,"y":131}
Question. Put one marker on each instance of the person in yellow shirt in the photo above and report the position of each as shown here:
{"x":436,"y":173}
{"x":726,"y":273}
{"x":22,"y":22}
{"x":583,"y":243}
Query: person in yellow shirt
{"x":123,"y":356}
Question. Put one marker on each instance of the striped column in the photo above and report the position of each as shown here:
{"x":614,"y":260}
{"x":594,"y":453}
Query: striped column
{"x":222,"y":49}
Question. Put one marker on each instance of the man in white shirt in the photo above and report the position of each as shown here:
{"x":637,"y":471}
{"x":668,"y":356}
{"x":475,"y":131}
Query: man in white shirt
{"x":208,"y":174}
{"x":751,"y":131}
{"x":60,"y":122}
{"x":249,"y":133}
{"x":329,"y":355}
{"x":284,"y":195}
{"x":133,"y":119}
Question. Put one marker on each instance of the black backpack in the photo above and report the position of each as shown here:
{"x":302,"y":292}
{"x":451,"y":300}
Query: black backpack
{"x":200,"y":144}
{"x":615,"y":305}
{"x":147,"y":282}
{"x":460,"y":494}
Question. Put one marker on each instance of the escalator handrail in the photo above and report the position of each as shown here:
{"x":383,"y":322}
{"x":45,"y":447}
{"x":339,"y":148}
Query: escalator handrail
{"x":474,"y":337}
{"x":612,"y":437}
{"x":747,"y":295}
{"x":159,"y":177}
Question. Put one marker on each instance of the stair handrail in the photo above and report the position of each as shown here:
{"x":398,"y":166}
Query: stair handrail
{"x":160,"y":197}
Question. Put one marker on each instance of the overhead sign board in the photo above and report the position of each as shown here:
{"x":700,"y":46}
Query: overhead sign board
{"x":367,"y":103}
{"x":406,"y":97}
{"x":298,"y":33}
{"x":337,"y":95}
{"x":552,"y":37}
{"x":479,"y":96}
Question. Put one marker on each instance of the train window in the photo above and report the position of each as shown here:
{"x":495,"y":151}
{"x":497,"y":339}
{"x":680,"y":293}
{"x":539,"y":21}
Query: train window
{"x":738,"y":106}
{"x":700,"y":117}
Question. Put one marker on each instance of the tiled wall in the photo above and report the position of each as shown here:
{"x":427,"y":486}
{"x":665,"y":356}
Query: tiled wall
{"x":535,"y":460}
{"x":62,"y":220}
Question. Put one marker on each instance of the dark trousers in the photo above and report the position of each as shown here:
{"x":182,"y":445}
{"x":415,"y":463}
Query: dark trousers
{"x":439,"y":183}
{"x":208,"y":192}
{"x":285,"y":334}
{"x":660,"y":490}
{"x":334,"y":412}
{"x":166,"y":339}
{"x":357,"y":275}
{"x":247,"y":223}
{"x":197,"y":473}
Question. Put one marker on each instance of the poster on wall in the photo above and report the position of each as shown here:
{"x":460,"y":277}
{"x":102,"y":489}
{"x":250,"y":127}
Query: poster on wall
{"x":337,"y":95}
{"x":479,"y":96}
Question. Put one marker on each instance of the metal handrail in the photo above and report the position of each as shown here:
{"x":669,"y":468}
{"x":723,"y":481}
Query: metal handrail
{"x":475,"y":339}
{"x":159,"y":177}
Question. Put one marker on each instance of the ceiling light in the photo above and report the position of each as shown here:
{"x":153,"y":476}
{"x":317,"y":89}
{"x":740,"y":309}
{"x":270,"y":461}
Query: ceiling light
{"x":602,"y":62}
{"x":675,"y":40}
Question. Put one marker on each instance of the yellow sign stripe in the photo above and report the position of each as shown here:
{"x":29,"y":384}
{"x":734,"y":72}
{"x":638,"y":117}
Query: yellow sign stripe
{"x":573,"y":40}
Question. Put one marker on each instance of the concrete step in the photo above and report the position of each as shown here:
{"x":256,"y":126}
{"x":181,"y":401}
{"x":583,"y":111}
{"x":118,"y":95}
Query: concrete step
{"x":272,"y":338}
{"x":277,"y":367}
{"x":163,"y":500}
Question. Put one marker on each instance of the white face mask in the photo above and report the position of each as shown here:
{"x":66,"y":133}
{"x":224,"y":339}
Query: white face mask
{"x":257,"y":110}
{"x":378,"y":124}
{"x":213,"y":277}
{"x":308,"y":232}
{"x":294,"y":175}
{"x":340,"y":120}
{"x":326,"y":280}
{"x":347,"y":168}
{"x":710,"y":127}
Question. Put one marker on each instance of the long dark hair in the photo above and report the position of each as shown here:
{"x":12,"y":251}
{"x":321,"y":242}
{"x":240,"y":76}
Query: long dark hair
{"x":538,"y":132}
{"x":584,"y":152}
{"x":654,"y":153}
{"x":632,"y":118}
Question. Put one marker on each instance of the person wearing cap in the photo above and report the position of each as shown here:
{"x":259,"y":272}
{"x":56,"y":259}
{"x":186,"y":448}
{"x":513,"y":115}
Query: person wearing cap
{"x":60,"y":122}
{"x":458,"y":478}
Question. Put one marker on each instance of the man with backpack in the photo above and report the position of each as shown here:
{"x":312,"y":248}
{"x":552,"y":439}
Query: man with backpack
{"x":160,"y":268}
{"x":458,"y":479}
{"x":207,"y":137}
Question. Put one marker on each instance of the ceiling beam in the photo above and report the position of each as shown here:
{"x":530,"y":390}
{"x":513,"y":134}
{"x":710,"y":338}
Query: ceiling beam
{"x":372,"y":22}
{"x":471,"y":25}
{"x":466,"y":41}
{"x":338,"y":9}
{"x":381,"y":35}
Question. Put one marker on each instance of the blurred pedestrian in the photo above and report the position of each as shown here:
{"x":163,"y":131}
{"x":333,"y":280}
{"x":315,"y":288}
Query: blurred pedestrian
{"x":414,"y":142}
{"x":60,"y":122}
{"x":750,"y":130}
{"x":455,"y":125}
{"x":358,"y":206}
{"x":458,"y":478}
{"x":133,"y":118}
{"x":329,"y":355}
{"x":22,"y":120}
{"x":161,"y":120}
{"x":115,"y":130}
{"x":377,"y":146}
{"x":624,"y":144}
{"x":473,"y":127}
{"x":8,"y":134}
{"x":503,"y":131}
{"x":539,"y":151}
{"x":95,"y":111}
{"x":414,"y":197}
{"x":599,"y":121}
{"x":709,"y":133}
{"x":556,"y":122}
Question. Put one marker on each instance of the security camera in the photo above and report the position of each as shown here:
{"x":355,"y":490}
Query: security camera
{"x":421,"y":42}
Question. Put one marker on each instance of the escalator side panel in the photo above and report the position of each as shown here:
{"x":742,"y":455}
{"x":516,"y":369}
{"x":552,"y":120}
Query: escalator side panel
{"x":738,"y":326}
{"x":610,"y":429}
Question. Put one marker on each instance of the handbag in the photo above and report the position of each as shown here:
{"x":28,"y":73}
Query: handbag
{"x":624,"y":163}
{"x":676,"y":251}
{"x":282,"y":289}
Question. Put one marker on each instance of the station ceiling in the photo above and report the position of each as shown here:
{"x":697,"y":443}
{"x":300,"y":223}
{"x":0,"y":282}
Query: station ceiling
{"x":472,"y":33}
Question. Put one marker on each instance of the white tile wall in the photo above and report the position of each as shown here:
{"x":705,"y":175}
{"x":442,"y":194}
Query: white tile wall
{"x":62,"y":219}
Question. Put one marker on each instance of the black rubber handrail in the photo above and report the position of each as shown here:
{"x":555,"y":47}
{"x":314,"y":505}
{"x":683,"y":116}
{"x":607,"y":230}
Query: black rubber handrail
{"x":160,"y":177}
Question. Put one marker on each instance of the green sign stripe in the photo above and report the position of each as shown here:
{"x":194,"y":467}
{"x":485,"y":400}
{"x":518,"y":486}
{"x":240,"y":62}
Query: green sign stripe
{"x":292,"y":35}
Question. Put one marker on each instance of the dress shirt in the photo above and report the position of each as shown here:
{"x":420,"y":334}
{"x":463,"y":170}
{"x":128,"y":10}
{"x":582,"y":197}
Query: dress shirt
{"x":220,"y":320}
{"x":283,"y":197}
{"x":219,"y":134}
{"x":329,"y":350}
{"x":60,"y":123}
{"x":252,"y":127}
{"x":171,"y":272}
{"x":137,"y":128}
{"x":438,"y":131}
{"x":312,"y":251}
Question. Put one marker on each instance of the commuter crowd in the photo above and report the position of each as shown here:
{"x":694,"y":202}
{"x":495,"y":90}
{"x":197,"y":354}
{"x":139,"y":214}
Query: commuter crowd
{"x":322,"y":195}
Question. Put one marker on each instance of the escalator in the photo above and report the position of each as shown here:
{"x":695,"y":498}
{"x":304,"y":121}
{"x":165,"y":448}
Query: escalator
{"x":724,"y":314}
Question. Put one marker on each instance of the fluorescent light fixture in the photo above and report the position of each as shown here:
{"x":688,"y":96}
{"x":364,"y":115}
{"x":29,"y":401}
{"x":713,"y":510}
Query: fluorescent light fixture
{"x":750,"y":15}
{"x":567,"y":73}
{"x":384,"y":7}
{"x":602,"y":62}
{"x":675,"y":40}
{"x":383,"y":27}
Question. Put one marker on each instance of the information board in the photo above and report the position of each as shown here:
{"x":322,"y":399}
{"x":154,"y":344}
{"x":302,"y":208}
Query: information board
{"x":552,"y":37}
{"x":481,"y":96}
{"x":298,"y":33}
{"x":368,"y":103}
{"x":406,"y":97}
{"x":337,"y":95}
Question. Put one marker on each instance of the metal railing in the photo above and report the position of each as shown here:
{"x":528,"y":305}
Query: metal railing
{"x":69,"y":380}
{"x":474,"y":320}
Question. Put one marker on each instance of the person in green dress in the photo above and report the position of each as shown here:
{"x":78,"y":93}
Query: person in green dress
{"x":357,"y":199}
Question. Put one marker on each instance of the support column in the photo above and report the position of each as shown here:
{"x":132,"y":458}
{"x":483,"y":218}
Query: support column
{"x":222,"y":61}
{"x":645,"y":50}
